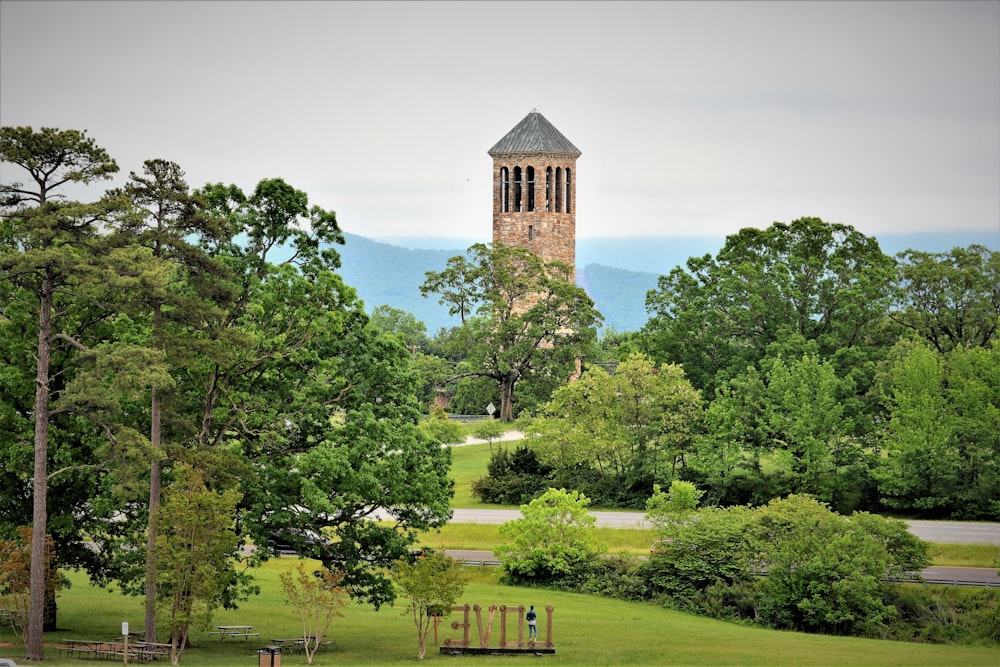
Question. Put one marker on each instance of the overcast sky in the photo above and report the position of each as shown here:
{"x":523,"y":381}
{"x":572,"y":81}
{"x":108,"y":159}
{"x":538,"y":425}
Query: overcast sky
{"x":693,"y":118}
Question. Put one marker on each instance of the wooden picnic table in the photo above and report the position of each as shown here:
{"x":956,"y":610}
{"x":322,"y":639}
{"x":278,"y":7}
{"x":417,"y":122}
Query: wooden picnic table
{"x":12,"y":616}
{"x":99,"y":648}
{"x":298,"y":644}
{"x":151,"y":650}
{"x":234,"y":631}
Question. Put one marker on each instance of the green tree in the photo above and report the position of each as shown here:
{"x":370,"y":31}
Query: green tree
{"x":804,"y":418}
{"x":471,"y":393}
{"x":432,"y":584}
{"x":665,"y":509}
{"x":513,"y":478}
{"x":46,"y":256}
{"x":401,"y":323}
{"x":348,"y":449}
{"x":318,"y":403}
{"x":488,"y":430}
{"x":700,"y":550}
{"x":432,"y":373}
{"x":317,"y":598}
{"x":633,"y":428}
{"x":728,"y":450}
{"x":193,"y":548}
{"x":552,"y":542}
{"x":827,"y":573}
{"x":174,"y":296}
{"x":824,"y":282}
{"x":950,"y":299}
{"x":78,"y":499}
{"x":441,"y":430}
{"x":941,"y":438}
{"x":530,"y":316}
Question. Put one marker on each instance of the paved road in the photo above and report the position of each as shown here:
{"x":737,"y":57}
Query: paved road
{"x":956,"y":532}
{"x":959,"y":576}
{"x":942,"y":532}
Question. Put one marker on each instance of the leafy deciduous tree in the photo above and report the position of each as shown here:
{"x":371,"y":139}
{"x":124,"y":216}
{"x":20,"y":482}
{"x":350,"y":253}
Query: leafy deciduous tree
{"x":803,"y":417}
{"x":531,"y":317}
{"x":951,"y":299}
{"x":698,"y":550}
{"x":318,"y":598}
{"x":433,"y":584}
{"x":821,"y":281}
{"x":826,"y":572}
{"x":633,"y":428}
{"x":941,"y":434}
{"x":193,"y":548}
{"x":553,"y":540}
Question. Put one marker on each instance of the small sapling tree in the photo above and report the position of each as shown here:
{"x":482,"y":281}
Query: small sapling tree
{"x":488,"y":430}
{"x":432,"y":584}
{"x":193,"y":548}
{"x":317,"y":598}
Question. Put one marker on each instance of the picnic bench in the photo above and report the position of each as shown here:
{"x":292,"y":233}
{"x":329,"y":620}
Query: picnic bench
{"x":235,"y":632}
{"x":298,"y":644}
{"x":100,"y":649}
{"x":12,"y":617}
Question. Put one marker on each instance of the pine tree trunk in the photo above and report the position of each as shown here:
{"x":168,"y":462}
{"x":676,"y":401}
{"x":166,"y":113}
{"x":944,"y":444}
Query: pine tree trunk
{"x":152,"y":566}
{"x":36,"y":612}
{"x":155,"y":490}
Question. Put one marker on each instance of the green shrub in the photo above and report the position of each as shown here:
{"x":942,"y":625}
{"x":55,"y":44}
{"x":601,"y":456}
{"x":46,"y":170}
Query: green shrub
{"x":618,"y":577}
{"x":513,"y":478}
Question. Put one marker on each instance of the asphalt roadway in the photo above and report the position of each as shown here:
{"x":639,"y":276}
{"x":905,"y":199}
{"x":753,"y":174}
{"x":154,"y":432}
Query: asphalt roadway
{"x":940,"y":532}
{"x":956,"y":532}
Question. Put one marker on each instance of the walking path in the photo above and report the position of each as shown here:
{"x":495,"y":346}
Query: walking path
{"x":955,"y":576}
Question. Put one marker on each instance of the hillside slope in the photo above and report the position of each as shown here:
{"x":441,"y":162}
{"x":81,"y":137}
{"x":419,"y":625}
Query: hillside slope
{"x":391,"y":275}
{"x":617,"y":272}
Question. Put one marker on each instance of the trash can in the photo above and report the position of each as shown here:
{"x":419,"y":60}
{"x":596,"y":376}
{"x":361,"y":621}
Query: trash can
{"x":270,"y":656}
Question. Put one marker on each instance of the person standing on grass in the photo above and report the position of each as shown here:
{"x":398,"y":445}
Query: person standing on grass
{"x":532,"y":623}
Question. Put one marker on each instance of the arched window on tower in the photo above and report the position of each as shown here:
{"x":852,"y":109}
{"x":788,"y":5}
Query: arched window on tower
{"x":517,"y":189}
{"x":548,"y":189}
{"x":504,"y":190}
{"x":559,"y":190}
{"x":531,"y":188}
{"x":569,"y":190}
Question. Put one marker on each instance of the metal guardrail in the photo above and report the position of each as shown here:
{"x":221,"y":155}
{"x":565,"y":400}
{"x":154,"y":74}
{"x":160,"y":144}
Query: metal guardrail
{"x":947,"y":582}
{"x":469,"y":419}
{"x":481,"y":563}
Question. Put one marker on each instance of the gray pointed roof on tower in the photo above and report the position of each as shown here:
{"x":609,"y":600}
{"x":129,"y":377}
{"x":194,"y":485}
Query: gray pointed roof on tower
{"x":534,"y":134}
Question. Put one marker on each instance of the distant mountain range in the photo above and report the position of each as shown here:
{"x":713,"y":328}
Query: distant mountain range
{"x":616,"y":272}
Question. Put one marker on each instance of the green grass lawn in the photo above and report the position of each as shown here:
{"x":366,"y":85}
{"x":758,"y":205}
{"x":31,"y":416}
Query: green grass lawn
{"x":586,"y":631}
{"x":468,"y":463}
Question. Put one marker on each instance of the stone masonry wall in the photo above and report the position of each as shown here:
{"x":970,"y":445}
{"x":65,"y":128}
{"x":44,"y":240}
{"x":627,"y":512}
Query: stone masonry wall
{"x":549,"y":234}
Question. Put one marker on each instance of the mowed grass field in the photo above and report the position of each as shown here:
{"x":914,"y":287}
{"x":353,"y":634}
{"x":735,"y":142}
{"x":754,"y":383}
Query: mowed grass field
{"x":586,"y":631}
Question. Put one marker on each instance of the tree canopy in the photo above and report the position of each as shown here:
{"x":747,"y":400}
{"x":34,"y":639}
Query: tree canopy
{"x":521,"y":317}
{"x":810,"y":279}
{"x":199,"y":335}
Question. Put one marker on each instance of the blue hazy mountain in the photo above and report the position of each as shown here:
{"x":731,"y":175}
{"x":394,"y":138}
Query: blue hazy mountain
{"x":616,"y":272}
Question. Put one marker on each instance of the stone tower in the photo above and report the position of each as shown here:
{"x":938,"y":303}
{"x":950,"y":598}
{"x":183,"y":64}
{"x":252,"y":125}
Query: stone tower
{"x":534,"y":190}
